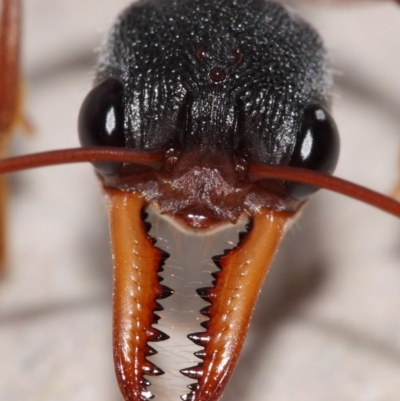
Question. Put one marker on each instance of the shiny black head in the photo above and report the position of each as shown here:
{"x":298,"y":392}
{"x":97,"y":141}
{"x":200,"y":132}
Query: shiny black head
{"x":216,"y":80}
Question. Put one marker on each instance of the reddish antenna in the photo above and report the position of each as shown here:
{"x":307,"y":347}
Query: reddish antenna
{"x":154,"y":160}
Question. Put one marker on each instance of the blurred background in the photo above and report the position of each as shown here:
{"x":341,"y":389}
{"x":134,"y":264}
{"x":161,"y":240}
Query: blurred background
{"x":327,"y":325}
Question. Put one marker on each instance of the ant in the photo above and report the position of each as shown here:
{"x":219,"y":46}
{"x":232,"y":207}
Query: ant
{"x":162,"y":293}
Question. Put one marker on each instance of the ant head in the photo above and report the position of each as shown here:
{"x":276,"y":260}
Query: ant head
{"x":215,"y":87}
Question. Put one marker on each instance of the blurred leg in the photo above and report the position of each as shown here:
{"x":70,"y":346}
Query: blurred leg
{"x":9,"y":97}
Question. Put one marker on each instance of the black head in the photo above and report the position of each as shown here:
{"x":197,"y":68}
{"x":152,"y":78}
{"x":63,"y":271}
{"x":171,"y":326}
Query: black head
{"x":215,"y":81}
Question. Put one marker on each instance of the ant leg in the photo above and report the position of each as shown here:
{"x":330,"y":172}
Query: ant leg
{"x":9,"y":97}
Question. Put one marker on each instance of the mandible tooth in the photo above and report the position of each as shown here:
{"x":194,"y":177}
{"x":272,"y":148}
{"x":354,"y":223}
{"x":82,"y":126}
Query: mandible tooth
{"x":156,"y":335}
{"x":150,"y":351}
{"x":206,"y":311}
{"x":164,"y":254}
{"x":145,"y":383}
{"x":158,"y":307}
{"x":205,"y":293}
{"x":188,"y":397}
{"x":215,"y":275}
{"x":201,"y":339}
{"x":195,"y":372}
{"x":156,"y":318}
{"x":147,"y":225}
{"x":193,"y":386}
{"x":147,"y":395}
{"x":165,"y":292}
{"x":205,"y":324}
{"x":217,"y":261}
{"x":201,"y":355}
{"x":150,"y":369}
{"x":242,"y":235}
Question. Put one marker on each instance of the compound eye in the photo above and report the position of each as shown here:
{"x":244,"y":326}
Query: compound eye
{"x":317,"y":147}
{"x":101,"y":120}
